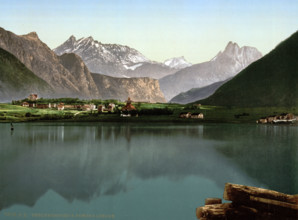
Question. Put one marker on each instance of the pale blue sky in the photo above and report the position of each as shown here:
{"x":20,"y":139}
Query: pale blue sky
{"x":160,"y":29}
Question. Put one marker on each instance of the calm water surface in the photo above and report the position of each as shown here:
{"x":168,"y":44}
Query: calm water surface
{"x":136,"y":171}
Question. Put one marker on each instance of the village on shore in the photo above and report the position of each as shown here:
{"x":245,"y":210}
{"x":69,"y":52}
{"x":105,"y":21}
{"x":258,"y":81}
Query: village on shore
{"x":33,"y":108}
{"x":128,"y":110}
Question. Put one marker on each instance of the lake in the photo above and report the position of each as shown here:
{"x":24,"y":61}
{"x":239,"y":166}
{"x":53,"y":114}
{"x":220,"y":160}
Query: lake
{"x":137,"y":171}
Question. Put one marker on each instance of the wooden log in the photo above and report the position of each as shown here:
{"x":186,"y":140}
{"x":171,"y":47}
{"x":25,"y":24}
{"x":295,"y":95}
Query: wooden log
{"x":237,"y":212}
{"x":211,"y":201}
{"x":232,"y":211}
{"x":240,"y":212}
{"x":212,"y":212}
{"x":240,"y":192}
{"x":265,"y":201}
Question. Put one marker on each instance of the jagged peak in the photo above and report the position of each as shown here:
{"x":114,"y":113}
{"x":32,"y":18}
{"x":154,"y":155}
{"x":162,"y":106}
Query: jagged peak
{"x":72,"y":38}
{"x":32,"y":35}
{"x":87,"y":38}
{"x":232,"y":45}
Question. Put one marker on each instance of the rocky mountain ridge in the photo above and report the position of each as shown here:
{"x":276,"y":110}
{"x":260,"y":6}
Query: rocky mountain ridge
{"x":118,"y":60}
{"x":41,"y":60}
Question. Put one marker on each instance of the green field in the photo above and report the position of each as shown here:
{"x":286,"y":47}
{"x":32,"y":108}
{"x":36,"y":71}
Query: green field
{"x":151,"y":113}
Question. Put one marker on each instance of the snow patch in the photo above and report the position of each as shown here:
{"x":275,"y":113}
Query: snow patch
{"x":132,"y":67}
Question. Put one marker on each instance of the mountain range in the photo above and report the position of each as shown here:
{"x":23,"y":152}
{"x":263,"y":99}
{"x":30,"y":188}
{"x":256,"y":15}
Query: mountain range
{"x":67,"y":75}
{"x":270,"y":81}
{"x":118,"y":60}
{"x":28,"y":65}
{"x":175,"y":75}
{"x":224,"y":65}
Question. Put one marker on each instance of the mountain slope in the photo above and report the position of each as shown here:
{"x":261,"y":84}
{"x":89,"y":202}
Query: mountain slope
{"x":271,"y":81}
{"x":117,"y":60}
{"x":76,"y":66}
{"x":138,"y":89}
{"x":197,"y":93}
{"x":225,"y":65}
{"x":44,"y":63}
{"x":17,"y":81}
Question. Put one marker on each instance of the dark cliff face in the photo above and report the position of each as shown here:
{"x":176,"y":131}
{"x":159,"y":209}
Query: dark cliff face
{"x":44,"y":63}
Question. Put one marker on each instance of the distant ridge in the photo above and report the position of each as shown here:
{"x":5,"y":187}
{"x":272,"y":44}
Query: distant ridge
{"x":224,"y":65}
{"x":197,"y":93}
{"x":270,"y":81}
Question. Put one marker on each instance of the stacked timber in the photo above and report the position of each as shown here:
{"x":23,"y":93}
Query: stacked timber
{"x":250,"y":203}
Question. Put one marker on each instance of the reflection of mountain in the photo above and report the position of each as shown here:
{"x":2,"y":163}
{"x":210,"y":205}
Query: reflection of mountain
{"x":83,"y":162}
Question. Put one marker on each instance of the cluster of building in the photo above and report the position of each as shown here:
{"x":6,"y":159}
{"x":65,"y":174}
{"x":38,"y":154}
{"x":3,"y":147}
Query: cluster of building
{"x":61,"y":106}
{"x":191,"y":115}
{"x":282,"y":118}
{"x":85,"y":107}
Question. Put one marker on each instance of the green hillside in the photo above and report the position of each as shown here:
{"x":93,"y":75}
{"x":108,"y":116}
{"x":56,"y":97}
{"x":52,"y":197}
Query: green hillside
{"x":270,"y":81}
{"x":17,"y":81}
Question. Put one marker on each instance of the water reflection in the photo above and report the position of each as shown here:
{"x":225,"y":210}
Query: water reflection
{"x":267,"y":153}
{"x":85,"y":161}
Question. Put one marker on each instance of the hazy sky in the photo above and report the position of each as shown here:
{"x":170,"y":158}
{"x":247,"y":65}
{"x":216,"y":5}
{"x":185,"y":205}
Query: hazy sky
{"x":160,"y":29}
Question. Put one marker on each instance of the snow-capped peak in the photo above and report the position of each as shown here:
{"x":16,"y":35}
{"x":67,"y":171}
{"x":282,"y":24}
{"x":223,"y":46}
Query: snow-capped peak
{"x":103,"y":58}
{"x":177,"y":63}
